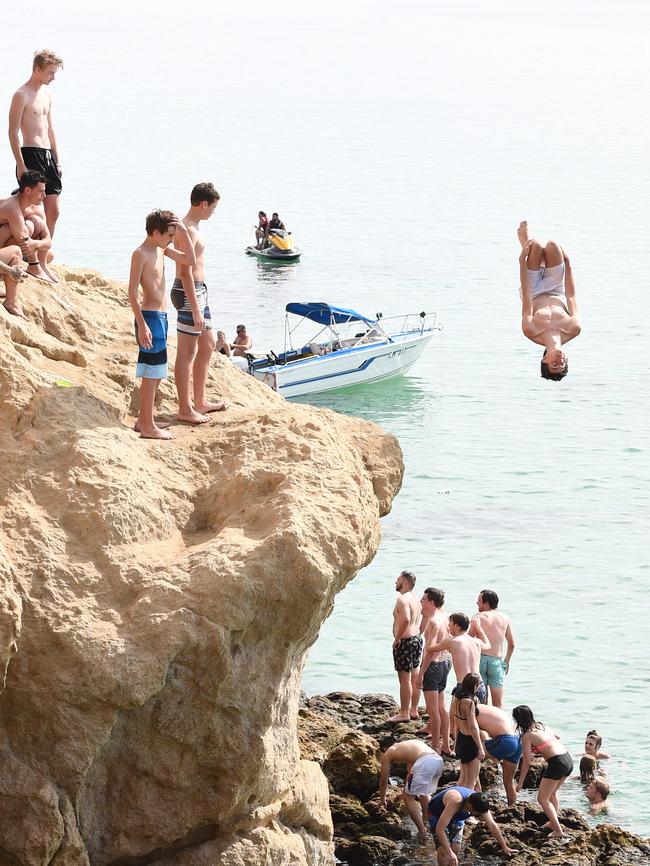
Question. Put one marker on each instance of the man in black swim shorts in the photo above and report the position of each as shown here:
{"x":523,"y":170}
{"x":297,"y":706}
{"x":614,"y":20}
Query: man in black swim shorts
{"x":30,"y":116}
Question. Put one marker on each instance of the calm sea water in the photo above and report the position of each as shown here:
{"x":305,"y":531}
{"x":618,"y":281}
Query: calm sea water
{"x":403,"y":144}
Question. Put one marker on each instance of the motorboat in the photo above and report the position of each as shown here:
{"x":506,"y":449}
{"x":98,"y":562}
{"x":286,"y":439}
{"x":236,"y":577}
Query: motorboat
{"x":349,"y":349}
{"x":279,"y":246}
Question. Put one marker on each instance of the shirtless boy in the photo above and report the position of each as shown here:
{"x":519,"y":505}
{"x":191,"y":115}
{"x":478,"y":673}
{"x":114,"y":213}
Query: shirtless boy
{"x":148,"y":272}
{"x":30,"y":116}
{"x":23,"y":224}
{"x":196,"y":339}
{"x":407,"y":646}
{"x":423,"y":770}
{"x":549,"y":314}
{"x":435,"y":668}
{"x":465,"y":650}
{"x":498,"y":631}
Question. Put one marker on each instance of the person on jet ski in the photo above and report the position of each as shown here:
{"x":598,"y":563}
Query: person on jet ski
{"x":276,"y":223}
{"x":262,"y":230}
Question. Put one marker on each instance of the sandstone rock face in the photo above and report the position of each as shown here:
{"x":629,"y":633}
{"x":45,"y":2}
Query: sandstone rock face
{"x":157,"y":599}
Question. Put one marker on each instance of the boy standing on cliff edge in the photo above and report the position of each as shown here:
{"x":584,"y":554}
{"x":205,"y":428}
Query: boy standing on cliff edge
{"x":148,"y":272}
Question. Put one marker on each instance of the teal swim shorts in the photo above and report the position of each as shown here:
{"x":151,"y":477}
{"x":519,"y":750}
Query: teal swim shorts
{"x":492,"y":670}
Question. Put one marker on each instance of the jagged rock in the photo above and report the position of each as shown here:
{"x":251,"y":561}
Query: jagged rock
{"x":353,"y":765}
{"x":157,"y":599}
{"x":371,"y":851}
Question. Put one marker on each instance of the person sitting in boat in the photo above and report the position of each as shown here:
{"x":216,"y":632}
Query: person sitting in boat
{"x":276,"y":223}
{"x":242,"y":344}
{"x":549,"y":315}
{"x":262,"y":230}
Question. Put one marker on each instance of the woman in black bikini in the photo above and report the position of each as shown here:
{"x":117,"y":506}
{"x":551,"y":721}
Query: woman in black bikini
{"x":469,"y":745}
{"x":539,"y":738}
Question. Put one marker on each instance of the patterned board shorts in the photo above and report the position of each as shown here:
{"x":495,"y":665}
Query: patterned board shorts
{"x":407,"y":655}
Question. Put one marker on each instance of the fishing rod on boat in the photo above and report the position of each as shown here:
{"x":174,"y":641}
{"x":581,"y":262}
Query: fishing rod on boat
{"x":372,"y":296}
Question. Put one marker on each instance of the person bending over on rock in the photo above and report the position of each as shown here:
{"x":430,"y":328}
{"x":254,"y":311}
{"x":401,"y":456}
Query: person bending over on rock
{"x":469,"y":748}
{"x":498,"y":631}
{"x":435,"y":668}
{"x":593,"y":742}
{"x":549,"y":313}
{"x":407,"y":646}
{"x":10,"y":260}
{"x":597,"y":792}
{"x":22,"y":223}
{"x":502,"y":743}
{"x":195,"y":337}
{"x":148,"y":272}
{"x":465,"y":650}
{"x":448,"y":810}
{"x":539,"y":738}
{"x":423,"y":770}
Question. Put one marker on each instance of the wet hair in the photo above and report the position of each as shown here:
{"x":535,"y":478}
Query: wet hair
{"x":437,"y":596}
{"x":602,"y":787}
{"x":595,"y":736}
{"x":588,"y":766}
{"x":204,"y":192}
{"x":44,"y":58}
{"x":470,"y":683}
{"x":490,"y":597}
{"x":478,"y":802}
{"x":461,"y":620}
{"x":524,"y":718}
{"x":29,"y":179}
{"x":158,"y":221}
{"x":554,"y":377}
{"x":410,"y":577}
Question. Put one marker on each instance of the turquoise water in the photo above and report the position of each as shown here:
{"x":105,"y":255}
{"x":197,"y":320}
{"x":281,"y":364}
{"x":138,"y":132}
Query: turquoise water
{"x":403,"y":145}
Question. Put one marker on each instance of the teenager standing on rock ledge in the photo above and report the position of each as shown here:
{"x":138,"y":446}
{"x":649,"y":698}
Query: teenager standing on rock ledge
{"x":30,"y":116}
{"x":407,"y":646}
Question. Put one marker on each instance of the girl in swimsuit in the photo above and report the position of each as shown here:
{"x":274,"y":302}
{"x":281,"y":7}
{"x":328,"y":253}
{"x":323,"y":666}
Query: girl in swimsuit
{"x":469,"y":744}
{"x":539,"y":738}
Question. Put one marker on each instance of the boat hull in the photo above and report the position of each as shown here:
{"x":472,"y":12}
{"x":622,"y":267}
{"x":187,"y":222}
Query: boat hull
{"x":273,"y":255}
{"x":359,"y":366}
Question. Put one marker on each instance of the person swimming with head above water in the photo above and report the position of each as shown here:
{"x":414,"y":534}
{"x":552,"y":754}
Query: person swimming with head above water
{"x":593,"y":742}
{"x":549,"y":313}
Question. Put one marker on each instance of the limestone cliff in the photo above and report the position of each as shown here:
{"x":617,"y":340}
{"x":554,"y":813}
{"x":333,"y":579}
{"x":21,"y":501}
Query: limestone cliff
{"x":157,"y":599}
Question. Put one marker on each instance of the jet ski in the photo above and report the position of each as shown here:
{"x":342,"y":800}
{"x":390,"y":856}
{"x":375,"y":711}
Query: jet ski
{"x":278,"y":247}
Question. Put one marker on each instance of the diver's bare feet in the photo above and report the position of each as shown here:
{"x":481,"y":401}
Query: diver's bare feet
{"x":206,"y":408}
{"x":35,"y":270}
{"x":192,"y":418}
{"x":155,"y":433}
{"x":522,"y":233}
{"x":398,"y":718}
{"x":14,"y":309}
{"x":555,"y":835}
{"x":161,"y":425}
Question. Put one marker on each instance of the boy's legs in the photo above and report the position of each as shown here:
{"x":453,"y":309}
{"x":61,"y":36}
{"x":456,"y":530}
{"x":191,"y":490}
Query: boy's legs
{"x":146,"y":424}
{"x":52,"y":209}
{"x":11,"y":259}
{"x":553,"y":254}
{"x":200,"y":367}
{"x":185,"y":354}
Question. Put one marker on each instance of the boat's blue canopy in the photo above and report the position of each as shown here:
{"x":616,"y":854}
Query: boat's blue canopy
{"x":326,"y":314}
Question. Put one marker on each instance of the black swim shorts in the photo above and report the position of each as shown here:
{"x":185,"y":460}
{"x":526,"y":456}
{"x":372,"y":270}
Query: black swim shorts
{"x":465,"y":748}
{"x":435,"y":678}
{"x":407,"y":655}
{"x":41,"y":159}
{"x":558,"y":767}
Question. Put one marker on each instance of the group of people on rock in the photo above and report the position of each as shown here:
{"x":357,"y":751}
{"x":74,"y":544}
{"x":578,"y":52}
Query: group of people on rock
{"x":29,"y":215}
{"x":427,"y":645}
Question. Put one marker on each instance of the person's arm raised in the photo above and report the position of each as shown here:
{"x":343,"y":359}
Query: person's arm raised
{"x":182,"y":250}
{"x":15,"y":119}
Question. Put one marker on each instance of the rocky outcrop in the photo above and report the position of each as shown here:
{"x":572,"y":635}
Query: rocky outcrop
{"x":343,"y":731}
{"x":157,"y":599}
